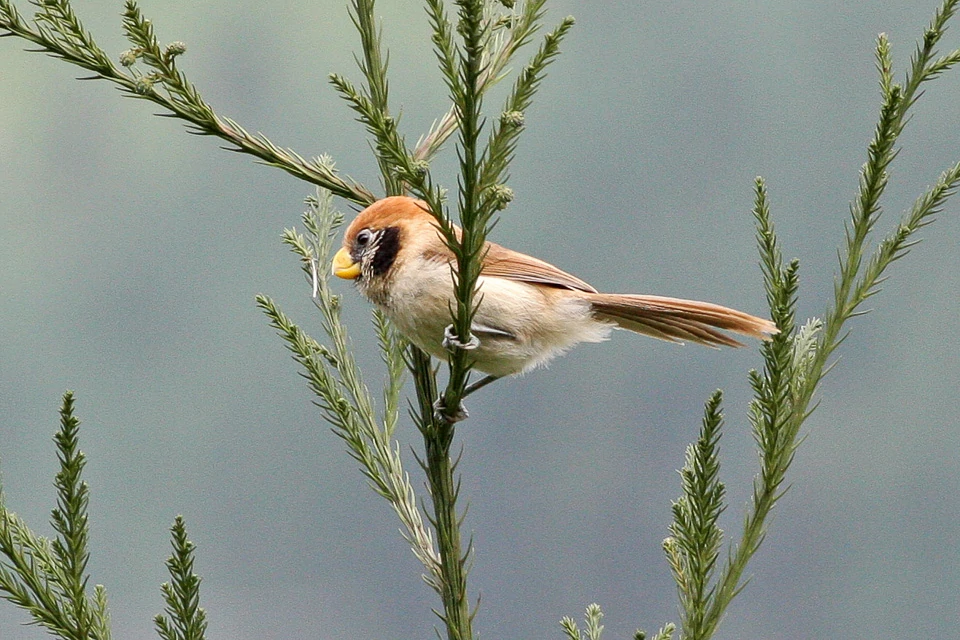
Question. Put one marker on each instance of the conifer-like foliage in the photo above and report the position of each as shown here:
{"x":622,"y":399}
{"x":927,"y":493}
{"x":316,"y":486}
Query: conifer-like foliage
{"x":48,"y":577}
{"x":474,"y":42}
{"x":184,"y":619}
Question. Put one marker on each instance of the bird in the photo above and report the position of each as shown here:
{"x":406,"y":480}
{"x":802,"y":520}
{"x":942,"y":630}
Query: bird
{"x":529,"y":311}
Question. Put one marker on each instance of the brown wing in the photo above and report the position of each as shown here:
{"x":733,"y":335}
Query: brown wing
{"x":501,"y":262}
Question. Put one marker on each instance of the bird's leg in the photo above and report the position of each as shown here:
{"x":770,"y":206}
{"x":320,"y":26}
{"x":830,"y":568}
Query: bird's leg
{"x":479,"y":384}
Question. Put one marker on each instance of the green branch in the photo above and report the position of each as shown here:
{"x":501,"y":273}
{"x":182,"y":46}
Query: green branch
{"x":374,"y":68}
{"x":796,"y":360}
{"x":511,"y":33}
{"x":695,"y":543}
{"x":334,"y":377}
{"x":438,"y":433}
{"x":57,"y":30}
{"x":503,"y":141}
{"x":48,"y":578}
{"x":185,"y":619}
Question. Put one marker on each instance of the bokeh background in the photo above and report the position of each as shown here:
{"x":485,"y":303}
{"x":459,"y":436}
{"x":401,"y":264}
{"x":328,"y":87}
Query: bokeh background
{"x":130,"y":254}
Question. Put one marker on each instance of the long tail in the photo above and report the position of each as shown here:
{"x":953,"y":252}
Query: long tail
{"x":679,"y":320}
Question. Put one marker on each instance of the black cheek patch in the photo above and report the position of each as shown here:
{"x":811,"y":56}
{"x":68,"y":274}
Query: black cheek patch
{"x":388,"y":246}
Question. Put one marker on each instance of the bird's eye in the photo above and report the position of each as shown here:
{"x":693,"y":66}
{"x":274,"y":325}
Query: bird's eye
{"x":364,"y":237}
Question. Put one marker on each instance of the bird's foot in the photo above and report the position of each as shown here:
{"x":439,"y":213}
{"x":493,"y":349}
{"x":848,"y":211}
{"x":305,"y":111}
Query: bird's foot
{"x":451,"y":341}
{"x":440,"y":412}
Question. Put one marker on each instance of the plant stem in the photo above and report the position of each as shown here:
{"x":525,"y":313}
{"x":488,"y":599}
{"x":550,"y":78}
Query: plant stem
{"x":468,"y":251}
{"x":444,"y":490}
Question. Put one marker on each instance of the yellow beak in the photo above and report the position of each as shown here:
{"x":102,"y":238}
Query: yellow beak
{"x":344,"y":266}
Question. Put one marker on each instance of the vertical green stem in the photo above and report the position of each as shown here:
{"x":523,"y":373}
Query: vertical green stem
{"x":444,"y":490}
{"x":472,"y":220}
{"x":438,"y":433}
{"x":375,"y":70}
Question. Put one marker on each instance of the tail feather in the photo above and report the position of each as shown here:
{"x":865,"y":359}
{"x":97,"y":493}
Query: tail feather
{"x":679,"y":320}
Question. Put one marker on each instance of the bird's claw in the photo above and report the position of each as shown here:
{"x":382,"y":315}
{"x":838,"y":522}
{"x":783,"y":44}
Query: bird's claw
{"x":451,"y":341}
{"x":440,"y":412}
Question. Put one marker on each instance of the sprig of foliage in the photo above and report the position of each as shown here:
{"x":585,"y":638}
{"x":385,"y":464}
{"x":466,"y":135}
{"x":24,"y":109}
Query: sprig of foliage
{"x":48,"y":577}
{"x":333,"y":375}
{"x":855,"y":283}
{"x":796,"y":360}
{"x":374,"y":68}
{"x":185,"y":619}
{"x":58,"y":31}
{"x":592,"y":619}
{"x":695,"y":543}
{"x":770,"y":414}
{"x":593,"y":629}
{"x":69,"y":519}
{"x":503,"y":141}
{"x":438,"y":434}
{"x":511,"y":32}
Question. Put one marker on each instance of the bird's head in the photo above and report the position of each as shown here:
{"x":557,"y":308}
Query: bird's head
{"x":382,"y":238}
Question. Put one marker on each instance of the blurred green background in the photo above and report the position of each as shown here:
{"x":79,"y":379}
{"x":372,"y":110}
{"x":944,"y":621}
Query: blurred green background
{"x":130,"y":254}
